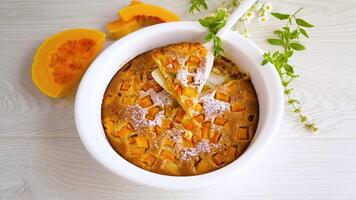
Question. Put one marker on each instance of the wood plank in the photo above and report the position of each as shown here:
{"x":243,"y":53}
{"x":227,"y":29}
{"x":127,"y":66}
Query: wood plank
{"x":60,"y":168}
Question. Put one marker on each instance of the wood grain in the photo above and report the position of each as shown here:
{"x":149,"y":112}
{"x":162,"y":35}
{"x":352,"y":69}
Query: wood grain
{"x":41,"y":156}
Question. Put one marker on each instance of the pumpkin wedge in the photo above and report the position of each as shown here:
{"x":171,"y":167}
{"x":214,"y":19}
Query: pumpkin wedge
{"x":131,"y":12}
{"x":62,"y":59}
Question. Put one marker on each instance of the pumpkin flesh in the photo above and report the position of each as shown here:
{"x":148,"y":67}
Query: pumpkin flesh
{"x":62,"y":59}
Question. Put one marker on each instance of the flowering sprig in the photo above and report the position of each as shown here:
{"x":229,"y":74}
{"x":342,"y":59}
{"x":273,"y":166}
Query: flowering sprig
{"x":260,"y":10}
{"x":288,"y":39}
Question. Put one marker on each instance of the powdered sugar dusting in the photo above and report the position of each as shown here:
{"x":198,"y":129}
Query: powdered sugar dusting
{"x":202,"y":147}
{"x":138,"y":116}
{"x":159,"y":99}
{"x":182,"y":76}
{"x":212,"y":106}
{"x":175,"y":134}
{"x":199,"y":77}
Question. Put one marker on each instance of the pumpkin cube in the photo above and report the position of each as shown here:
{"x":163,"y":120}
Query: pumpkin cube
{"x":188,"y":103}
{"x":190,"y":79}
{"x":149,"y":160}
{"x":190,"y":92}
{"x":216,"y":137}
{"x":128,"y":99}
{"x":205,"y":129}
{"x":125,"y":131}
{"x":157,"y":88}
{"x":242,"y":133}
{"x":189,"y":125}
{"x":192,"y":48}
{"x":175,"y":64}
{"x":203,"y":166}
{"x":199,"y":118}
{"x":136,"y":150}
{"x":167,"y":142}
{"x":237,"y":107}
{"x":145,"y":102}
{"x":194,"y":60}
{"x":179,"y":116}
{"x":147,"y":86}
{"x":168,"y":155}
{"x":188,"y":135}
{"x":222,"y":96}
{"x":151,"y":115}
{"x":231,"y":153}
{"x":198,"y":107}
{"x":125,"y":86}
{"x":141,"y":141}
{"x":218,"y":159}
{"x":168,"y":111}
{"x":158,"y":130}
{"x":195,"y":139}
{"x":187,"y":143}
{"x":137,"y":79}
{"x":203,"y":52}
{"x":220,"y":121}
{"x":166,"y":124}
{"x":108,"y":124}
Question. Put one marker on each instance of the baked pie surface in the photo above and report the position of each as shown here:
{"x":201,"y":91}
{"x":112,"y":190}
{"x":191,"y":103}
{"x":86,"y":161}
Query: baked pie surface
{"x":148,"y":127}
{"x":183,"y":67}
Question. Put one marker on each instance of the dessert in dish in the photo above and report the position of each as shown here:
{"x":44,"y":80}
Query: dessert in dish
{"x":152,"y":129}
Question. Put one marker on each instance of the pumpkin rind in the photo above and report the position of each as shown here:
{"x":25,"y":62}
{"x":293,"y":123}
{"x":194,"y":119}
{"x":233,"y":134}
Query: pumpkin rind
{"x":62,"y":59}
{"x":131,"y":12}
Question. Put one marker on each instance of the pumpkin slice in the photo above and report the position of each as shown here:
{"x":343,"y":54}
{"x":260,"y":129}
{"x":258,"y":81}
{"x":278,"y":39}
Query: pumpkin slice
{"x":119,"y":28}
{"x":182,"y":66}
{"x":134,"y":3}
{"x":131,"y":12}
{"x":62,"y":59}
{"x":122,"y":27}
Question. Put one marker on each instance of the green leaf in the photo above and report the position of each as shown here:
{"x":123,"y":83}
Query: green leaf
{"x":297,"y":110}
{"x":304,"y":32}
{"x":275,"y":41}
{"x":197,"y":5}
{"x":303,"y":118}
{"x":220,"y":15}
{"x":278,"y":32}
{"x":204,"y":22}
{"x":302,"y":22}
{"x":264,"y":62}
{"x":289,"y":68}
{"x":289,"y":54}
{"x":292,"y":101}
{"x":297,"y":46}
{"x":288,"y":91}
{"x":280,"y":16}
{"x":209,"y":37}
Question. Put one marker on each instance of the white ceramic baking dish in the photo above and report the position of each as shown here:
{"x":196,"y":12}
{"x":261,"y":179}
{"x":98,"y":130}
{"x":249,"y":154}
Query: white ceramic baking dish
{"x":237,"y":48}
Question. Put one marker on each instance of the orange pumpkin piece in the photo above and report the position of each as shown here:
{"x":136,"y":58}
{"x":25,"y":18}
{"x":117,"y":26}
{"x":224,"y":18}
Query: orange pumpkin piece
{"x":138,"y":15}
{"x":62,"y":59}
{"x":145,"y":102}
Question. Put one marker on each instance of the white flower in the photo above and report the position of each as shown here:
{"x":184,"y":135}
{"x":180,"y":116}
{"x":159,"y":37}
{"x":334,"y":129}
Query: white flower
{"x":259,"y":6}
{"x":263,"y":19}
{"x":246,"y":34}
{"x":250,"y":15}
{"x":267,"y":7}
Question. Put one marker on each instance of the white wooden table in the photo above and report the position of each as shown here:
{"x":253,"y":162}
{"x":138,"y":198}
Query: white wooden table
{"x":41,"y":156}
